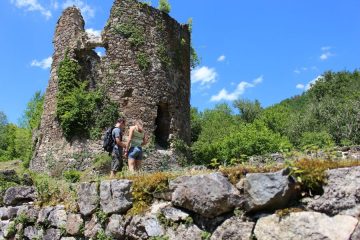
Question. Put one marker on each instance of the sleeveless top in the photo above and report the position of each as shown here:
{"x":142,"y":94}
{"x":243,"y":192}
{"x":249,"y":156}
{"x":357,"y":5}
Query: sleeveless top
{"x":137,"y":138}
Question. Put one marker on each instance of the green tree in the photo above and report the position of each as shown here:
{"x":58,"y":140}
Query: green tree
{"x":164,"y":6}
{"x":32,"y":114}
{"x":249,"y":110}
{"x":195,"y":123}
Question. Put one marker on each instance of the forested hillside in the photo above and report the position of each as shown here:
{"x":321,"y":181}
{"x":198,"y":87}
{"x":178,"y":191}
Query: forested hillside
{"x":326,"y":115}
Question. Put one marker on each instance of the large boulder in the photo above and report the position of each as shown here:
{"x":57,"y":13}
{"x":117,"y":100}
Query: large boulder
{"x":174,"y":214}
{"x":18,"y":195}
{"x":341,"y":193}
{"x":305,"y":225}
{"x":44,"y":215}
{"x":115,"y":196}
{"x":233,"y":229}
{"x":8,"y":212}
{"x":209,"y":195}
{"x":268,"y":191}
{"x":88,"y":198}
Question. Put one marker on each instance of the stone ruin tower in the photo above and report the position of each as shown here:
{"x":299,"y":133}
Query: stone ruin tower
{"x":159,"y":95}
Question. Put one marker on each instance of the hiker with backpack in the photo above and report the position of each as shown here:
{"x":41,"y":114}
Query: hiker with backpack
{"x":114,"y":145}
{"x":135,"y":141}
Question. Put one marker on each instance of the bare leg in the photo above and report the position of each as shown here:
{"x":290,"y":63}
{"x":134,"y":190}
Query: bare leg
{"x":132,"y":164}
{"x":112,"y":174}
{"x":138,"y":165}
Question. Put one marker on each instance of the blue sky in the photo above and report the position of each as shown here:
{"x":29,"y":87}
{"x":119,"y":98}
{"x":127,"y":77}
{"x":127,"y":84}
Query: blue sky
{"x":259,"y":49}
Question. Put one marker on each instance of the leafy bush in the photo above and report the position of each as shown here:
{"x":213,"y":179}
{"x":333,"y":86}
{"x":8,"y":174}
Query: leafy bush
{"x":316,"y":139}
{"x":72,"y":176}
{"x":164,"y":6}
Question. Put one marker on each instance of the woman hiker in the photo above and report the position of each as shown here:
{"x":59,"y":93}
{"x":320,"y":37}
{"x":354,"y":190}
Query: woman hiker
{"x":136,"y":139}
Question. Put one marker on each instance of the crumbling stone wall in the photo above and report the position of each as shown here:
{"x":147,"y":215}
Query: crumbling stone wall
{"x":149,"y":80}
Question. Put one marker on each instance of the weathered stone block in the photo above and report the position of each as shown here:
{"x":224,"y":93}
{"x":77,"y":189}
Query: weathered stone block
{"x":209,"y":195}
{"x":268,"y":191}
{"x":115,"y":196}
{"x":88,"y":198}
{"x":18,"y":195}
{"x":305,"y":225}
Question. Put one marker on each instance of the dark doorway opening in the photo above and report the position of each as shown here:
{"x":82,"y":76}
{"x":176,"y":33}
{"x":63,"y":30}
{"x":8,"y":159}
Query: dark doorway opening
{"x":162,"y":123}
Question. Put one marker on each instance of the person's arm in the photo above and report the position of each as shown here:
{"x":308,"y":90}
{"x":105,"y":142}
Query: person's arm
{"x":144,"y":140}
{"x":131,"y":132}
{"x":119,"y":143}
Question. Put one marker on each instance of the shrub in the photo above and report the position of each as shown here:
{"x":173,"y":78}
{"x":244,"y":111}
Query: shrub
{"x":72,"y":176}
{"x":164,"y":6}
{"x":316,"y":139}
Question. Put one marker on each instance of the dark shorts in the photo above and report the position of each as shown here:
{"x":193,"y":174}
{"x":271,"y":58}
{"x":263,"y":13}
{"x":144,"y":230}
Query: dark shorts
{"x":135,"y":153}
{"x":117,"y":161}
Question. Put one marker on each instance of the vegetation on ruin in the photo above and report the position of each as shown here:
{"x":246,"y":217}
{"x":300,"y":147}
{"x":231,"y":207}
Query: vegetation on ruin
{"x":164,"y":6}
{"x":79,"y":107}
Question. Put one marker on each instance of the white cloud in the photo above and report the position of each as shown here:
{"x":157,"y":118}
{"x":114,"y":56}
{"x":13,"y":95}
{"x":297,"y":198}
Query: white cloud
{"x":297,"y":71}
{"x":239,"y":90}
{"x":204,"y":75}
{"x":95,"y":33}
{"x":100,"y":54}
{"x":326,"y":53}
{"x":44,"y":64}
{"x":300,"y":86}
{"x":309,"y":84}
{"x":86,"y":10}
{"x":221,"y":58}
{"x":32,"y":6}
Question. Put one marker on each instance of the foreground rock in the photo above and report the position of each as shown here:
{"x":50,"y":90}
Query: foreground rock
{"x":233,"y":229}
{"x":183,"y":232}
{"x":115,"y":196}
{"x":268,"y":191}
{"x":305,"y":225}
{"x":117,"y":226}
{"x":18,"y":195}
{"x":209,"y":195}
{"x":88,"y":198}
{"x":341,"y":194}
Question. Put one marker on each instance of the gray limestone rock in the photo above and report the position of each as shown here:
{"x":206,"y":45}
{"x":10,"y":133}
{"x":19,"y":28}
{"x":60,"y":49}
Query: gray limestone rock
{"x":305,"y":225}
{"x":116,"y":226}
{"x":18,"y":195}
{"x":52,"y":234}
{"x":142,"y":227}
{"x":174,"y":214}
{"x":115,"y":196}
{"x":209,"y":195}
{"x":74,"y":224}
{"x":44,"y":214}
{"x":88,"y":198}
{"x":92,"y":227}
{"x":268,"y":191}
{"x":183,"y":232}
{"x":57,"y":218}
{"x":32,"y":232}
{"x":233,"y":228}
{"x":356,"y":234}
{"x":341,"y":193}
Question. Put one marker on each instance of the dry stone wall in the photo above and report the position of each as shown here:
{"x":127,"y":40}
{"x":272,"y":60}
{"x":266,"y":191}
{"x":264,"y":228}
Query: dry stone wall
{"x":214,"y":209}
{"x":146,"y":71}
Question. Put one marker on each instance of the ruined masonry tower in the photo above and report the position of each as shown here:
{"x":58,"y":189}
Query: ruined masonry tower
{"x":160,"y":96}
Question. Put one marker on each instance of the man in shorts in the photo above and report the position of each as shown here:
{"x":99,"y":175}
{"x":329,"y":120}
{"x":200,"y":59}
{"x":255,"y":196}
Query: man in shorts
{"x":117,"y":152}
